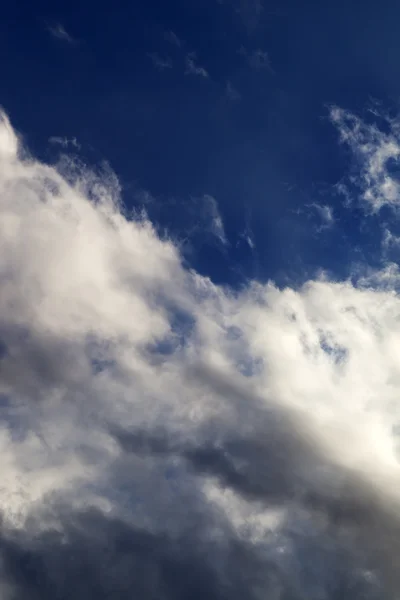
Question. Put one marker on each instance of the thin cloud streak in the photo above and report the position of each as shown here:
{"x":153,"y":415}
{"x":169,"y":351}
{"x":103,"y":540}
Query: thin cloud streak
{"x":58,"y":31}
{"x":191,"y":68}
{"x":172,"y":38}
{"x":231,"y":92}
{"x":160,"y":62}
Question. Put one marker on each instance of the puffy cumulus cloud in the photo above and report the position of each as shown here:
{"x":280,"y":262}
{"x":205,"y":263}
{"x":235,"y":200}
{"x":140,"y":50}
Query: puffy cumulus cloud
{"x":163,"y":437}
{"x":376,"y":148}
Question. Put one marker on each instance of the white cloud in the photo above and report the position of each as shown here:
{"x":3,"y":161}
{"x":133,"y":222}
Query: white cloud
{"x":373,"y":149}
{"x":325,"y":213}
{"x":134,"y":392}
{"x":8,"y":139}
{"x":191,"y":68}
{"x":58,"y":31}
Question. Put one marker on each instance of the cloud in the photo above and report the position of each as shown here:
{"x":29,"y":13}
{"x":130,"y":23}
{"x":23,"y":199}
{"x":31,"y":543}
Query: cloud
{"x":59,"y":32}
{"x":231,"y":92}
{"x":163,"y":436}
{"x":325,"y":213}
{"x":172,"y":38}
{"x":248,"y":235}
{"x":376,"y":153}
{"x":212,"y":214}
{"x":390,"y":240}
{"x":191,"y":68}
{"x":65,"y":142}
{"x":257,"y":59}
{"x":159,"y":62}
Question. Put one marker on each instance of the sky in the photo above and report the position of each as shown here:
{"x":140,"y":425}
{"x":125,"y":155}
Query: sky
{"x":199,"y":300}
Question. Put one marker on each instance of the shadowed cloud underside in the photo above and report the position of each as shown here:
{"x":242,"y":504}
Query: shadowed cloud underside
{"x":166,"y":437}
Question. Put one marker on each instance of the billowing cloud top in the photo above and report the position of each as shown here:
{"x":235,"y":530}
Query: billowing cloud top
{"x":164,"y":437}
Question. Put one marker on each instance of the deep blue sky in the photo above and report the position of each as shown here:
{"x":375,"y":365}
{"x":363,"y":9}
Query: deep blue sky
{"x":264,"y":151}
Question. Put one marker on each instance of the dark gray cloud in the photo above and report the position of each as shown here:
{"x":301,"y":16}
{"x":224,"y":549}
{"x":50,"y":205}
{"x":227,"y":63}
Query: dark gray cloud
{"x":92,"y":555}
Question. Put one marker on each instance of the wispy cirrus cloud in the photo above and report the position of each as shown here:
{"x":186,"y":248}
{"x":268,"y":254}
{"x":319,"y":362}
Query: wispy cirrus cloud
{"x":64,"y":142}
{"x":191,"y":68}
{"x":257,"y":59}
{"x":161,"y":63}
{"x":213,"y":216}
{"x":164,"y":436}
{"x":58,"y":31}
{"x":231,"y":92}
{"x":172,"y":38}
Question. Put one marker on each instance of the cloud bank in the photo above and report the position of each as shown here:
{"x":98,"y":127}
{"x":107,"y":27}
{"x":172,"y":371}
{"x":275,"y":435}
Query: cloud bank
{"x":164,"y":437}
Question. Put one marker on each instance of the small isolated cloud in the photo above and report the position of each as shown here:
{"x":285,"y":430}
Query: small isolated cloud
{"x":325,"y":213}
{"x":59,"y":32}
{"x":65,"y":142}
{"x":172,"y":38}
{"x":248,"y":236}
{"x":231,"y":92}
{"x":160,"y":62}
{"x":257,"y":59}
{"x":191,"y":68}
{"x":377,"y":158}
